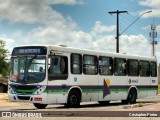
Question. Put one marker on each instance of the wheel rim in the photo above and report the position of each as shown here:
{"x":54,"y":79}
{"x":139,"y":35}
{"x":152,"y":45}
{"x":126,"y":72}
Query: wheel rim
{"x":73,"y":100}
{"x":131,"y":97}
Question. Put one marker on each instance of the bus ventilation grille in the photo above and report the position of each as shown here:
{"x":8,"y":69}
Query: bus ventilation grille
{"x":23,"y":97}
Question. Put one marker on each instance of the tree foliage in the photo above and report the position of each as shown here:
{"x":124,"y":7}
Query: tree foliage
{"x":4,"y":65}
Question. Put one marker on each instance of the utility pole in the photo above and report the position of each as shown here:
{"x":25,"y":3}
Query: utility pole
{"x":153,"y":35}
{"x":117,"y":37}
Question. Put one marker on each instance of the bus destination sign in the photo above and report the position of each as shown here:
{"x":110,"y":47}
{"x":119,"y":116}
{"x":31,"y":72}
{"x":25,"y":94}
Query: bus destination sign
{"x":29,"y":51}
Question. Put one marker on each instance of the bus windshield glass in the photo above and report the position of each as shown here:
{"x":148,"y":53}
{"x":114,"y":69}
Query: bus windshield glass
{"x":28,"y":69}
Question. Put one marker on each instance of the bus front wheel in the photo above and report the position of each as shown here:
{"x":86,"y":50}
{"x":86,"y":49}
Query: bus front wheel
{"x":73,"y":99}
{"x":40,"y":106}
{"x":1,"y":88}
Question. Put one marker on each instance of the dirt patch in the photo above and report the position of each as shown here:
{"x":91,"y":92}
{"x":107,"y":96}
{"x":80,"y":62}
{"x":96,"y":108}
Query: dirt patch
{"x":4,"y":101}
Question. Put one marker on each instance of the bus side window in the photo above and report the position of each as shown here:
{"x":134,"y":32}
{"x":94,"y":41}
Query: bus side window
{"x":76,"y":64}
{"x":105,"y":65}
{"x":133,"y":68}
{"x":119,"y":67}
{"x":90,"y":65}
{"x":144,"y":68}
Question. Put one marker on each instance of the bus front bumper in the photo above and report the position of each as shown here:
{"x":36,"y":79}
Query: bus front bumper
{"x":27,"y":98}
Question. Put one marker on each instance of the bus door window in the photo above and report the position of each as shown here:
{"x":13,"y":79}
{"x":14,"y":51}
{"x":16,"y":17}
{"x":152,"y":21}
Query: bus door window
{"x":57,"y":67}
{"x":120,"y":66}
{"x":105,"y":66}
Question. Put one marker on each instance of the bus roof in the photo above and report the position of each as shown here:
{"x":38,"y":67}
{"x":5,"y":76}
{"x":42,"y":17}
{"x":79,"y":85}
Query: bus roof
{"x":64,"y":48}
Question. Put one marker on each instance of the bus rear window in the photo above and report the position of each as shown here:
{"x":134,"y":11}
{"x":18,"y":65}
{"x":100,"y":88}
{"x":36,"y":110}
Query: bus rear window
{"x":153,"y":69}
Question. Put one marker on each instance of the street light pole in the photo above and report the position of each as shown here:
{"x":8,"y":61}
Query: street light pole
{"x":118,"y":12}
{"x":134,"y":21}
{"x":117,"y":37}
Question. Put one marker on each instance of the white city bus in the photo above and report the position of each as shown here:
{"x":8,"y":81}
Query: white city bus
{"x":46,"y":75}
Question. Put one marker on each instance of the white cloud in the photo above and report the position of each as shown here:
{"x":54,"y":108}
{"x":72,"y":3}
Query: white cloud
{"x":153,"y":5}
{"x":32,"y":11}
{"x":99,"y":28}
{"x":58,"y":36}
{"x":135,"y":44}
{"x":9,"y":43}
{"x":150,"y":3}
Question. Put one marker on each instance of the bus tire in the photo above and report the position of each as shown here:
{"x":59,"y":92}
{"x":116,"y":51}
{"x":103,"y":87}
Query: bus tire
{"x":73,"y":100}
{"x":40,"y":106}
{"x":103,"y":102}
{"x":132,"y":96}
{"x":2,"y":88}
{"x":124,"y":101}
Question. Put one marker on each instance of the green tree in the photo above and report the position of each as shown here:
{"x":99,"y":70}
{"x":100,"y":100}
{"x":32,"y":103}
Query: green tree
{"x":4,"y":65}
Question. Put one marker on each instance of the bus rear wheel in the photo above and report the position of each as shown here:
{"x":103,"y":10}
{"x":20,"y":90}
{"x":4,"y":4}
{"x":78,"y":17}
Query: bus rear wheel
{"x":132,"y":96}
{"x":40,"y":106}
{"x":73,"y":99}
{"x":124,"y":101}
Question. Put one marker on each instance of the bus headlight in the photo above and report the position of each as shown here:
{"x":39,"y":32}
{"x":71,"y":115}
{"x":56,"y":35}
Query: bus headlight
{"x":11,"y":90}
{"x":40,"y":90}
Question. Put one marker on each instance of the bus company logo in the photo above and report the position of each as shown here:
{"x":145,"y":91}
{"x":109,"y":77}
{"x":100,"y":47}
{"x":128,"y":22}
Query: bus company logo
{"x":153,"y":81}
{"x":6,"y":114}
{"x":132,"y":81}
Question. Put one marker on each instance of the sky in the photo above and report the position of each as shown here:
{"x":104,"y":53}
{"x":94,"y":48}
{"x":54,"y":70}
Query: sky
{"x":84,"y":24}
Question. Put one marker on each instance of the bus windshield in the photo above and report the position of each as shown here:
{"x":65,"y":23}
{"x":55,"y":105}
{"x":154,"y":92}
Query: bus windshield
{"x":28,"y":69}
